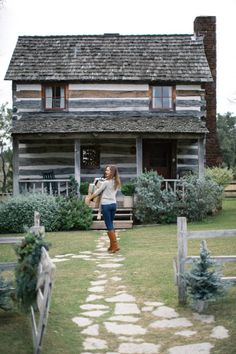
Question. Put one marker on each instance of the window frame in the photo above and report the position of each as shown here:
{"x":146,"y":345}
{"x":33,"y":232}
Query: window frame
{"x":96,"y":148}
{"x":172,"y":97}
{"x":51,"y":86}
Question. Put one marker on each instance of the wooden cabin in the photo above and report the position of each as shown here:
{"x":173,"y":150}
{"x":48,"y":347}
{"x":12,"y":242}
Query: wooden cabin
{"x":141,"y":102}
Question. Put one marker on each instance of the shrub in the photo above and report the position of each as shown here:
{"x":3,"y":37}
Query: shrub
{"x":128,"y":189}
{"x":17,"y":213}
{"x":83,"y":188}
{"x":154,"y":204}
{"x":73,"y":187}
{"x":28,"y":254}
{"x":222,"y":176}
{"x":73,"y":214}
{"x":202,"y":196}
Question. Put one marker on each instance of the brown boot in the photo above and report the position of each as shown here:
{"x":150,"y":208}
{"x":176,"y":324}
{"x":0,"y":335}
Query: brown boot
{"x":108,"y":234}
{"x":114,"y":244}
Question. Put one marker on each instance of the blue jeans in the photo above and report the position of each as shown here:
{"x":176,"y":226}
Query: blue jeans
{"x":108,"y":212}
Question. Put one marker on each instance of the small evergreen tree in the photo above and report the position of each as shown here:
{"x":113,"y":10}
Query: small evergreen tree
{"x":203,"y":280}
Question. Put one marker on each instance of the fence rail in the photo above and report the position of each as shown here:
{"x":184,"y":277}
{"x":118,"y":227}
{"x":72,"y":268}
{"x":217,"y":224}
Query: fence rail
{"x":183,"y":235}
{"x":45,"y":186}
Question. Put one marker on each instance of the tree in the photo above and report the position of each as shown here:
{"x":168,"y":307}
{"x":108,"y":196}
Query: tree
{"x":226,"y":129}
{"x":5,"y":145}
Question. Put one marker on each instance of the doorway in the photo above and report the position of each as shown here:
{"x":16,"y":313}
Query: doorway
{"x":160,"y":156}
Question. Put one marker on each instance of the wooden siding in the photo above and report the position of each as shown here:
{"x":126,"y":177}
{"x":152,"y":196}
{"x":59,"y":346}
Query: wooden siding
{"x":189,"y":98}
{"x":120,"y":152}
{"x":27,"y":97}
{"x":187,"y":157}
{"x":39,"y":156}
{"x":109,"y":97}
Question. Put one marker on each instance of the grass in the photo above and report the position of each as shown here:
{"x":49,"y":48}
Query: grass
{"x":147,"y":274}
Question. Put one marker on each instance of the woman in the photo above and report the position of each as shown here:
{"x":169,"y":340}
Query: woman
{"x":108,"y":191}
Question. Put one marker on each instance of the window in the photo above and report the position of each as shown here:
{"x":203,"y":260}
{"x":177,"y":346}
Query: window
{"x":90,"y":157}
{"x":55,"y":97}
{"x":162,"y":98}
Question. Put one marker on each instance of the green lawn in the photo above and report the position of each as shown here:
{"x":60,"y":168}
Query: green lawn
{"x":147,"y":274}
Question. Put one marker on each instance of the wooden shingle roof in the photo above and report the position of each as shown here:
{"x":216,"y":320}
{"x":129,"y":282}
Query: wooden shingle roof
{"x":108,"y":122}
{"x":102,"y":58}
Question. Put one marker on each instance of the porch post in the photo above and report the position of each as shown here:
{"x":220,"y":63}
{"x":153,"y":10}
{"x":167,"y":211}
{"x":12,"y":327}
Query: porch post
{"x":77,"y":161}
{"x":15,"y":164}
{"x":201,"y":157}
{"x":139,"y":155}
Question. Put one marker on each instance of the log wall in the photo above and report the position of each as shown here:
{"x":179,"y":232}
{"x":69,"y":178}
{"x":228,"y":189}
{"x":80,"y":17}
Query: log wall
{"x":109,"y":97}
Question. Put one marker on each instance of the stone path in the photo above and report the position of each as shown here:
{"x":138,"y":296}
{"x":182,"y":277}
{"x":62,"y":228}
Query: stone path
{"x":112,"y":321}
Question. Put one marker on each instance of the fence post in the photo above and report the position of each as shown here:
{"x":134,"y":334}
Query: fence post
{"x":182,"y":254}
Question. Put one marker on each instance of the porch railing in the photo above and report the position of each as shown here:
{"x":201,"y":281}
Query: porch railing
{"x":61,"y":186}
{"x":47,"y":186}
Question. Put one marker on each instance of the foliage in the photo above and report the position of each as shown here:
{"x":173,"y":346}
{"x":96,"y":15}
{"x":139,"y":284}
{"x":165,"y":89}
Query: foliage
{"x":222,"y":176}
{"x":202,"y":196}
{"x":28,"y":254}
{"x":6,"y":294}
{"x":73,"y":214}
{"x":128,"y":189}
{"x":83,"y":188}
{"x":226,"y":129}
{"x":154,"y":204}
{"x":73,"y":187}
{"x":5,"y":148}
{"x":203,"y":280}
{"x":17,"y":213}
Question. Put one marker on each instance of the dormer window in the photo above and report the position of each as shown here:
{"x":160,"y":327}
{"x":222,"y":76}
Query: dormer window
{"x":54,"y":97}
{"x":162,"y":98}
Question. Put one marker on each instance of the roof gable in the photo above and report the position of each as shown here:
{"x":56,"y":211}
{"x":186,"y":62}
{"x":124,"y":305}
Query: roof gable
{"x":146,"y":58}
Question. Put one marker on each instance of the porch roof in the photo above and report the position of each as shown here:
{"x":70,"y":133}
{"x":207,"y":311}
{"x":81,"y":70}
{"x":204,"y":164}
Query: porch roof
{"x":113,"y":57}
{"x":115,"y":122}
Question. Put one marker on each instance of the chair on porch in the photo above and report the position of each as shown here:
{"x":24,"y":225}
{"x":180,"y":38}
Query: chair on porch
{"x":51,"y":187}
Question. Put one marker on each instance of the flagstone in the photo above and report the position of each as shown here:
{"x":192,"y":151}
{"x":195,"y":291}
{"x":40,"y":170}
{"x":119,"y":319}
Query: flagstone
{"x":94,"y":343}
{"x":172,"y":323}
{"x":82,"y":256}
{"x":93,"y":307}
{"x":166,"y":312}
{"x":96,"y":289}
{"x":126,"y":309}
{"x":102,"y":276}
{"x":124,"y":318}
{"x":153,"y":303}
{"x":203,"y":318}
{"x":91,"y":330}
{"x":94,"y":297}
{"x":110,"y":265}
{"x":58,"y":260}
{"x":141,"y":348}
{"x":82,"y":321}
{"x":86,"y":252}
{"x":116,"y":278}
{"x":97,"y":313}
{"x":185,"y":333}
{"x":219,"y":332}
{"x":121,"y":298}
{"x":199,"y":348}
{"x":147,"y":308}
{"x":98,"y":282}
{"x":126,"y":329}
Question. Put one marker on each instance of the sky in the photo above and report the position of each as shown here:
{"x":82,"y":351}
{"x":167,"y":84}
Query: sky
{"x":71,"y":17}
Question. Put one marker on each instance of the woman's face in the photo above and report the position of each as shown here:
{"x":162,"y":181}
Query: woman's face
{"x":108,"y":173}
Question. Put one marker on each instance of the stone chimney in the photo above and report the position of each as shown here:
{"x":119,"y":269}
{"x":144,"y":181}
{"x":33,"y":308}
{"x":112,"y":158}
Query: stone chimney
{"x":206,"y":26}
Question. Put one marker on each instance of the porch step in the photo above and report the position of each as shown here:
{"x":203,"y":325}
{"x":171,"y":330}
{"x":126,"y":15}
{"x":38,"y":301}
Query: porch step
{"x":123,"y":219}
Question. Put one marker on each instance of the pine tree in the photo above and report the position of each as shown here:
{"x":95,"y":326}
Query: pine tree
{"x":203,"y":280}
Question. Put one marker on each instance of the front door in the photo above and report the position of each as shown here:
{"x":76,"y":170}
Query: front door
{"x":159,"y":156}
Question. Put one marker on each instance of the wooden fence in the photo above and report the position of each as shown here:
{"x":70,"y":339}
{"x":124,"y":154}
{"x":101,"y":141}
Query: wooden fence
{"x":183,"y":235}
{"x":46,"y":271}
